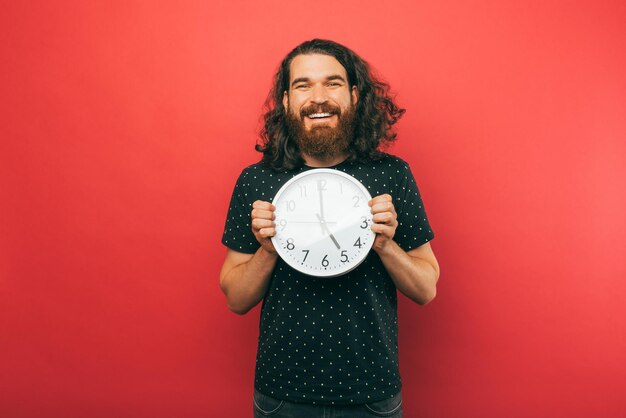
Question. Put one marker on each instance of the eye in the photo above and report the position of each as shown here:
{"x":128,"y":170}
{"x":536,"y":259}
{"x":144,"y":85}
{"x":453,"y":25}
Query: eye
{"x":301,"y":86}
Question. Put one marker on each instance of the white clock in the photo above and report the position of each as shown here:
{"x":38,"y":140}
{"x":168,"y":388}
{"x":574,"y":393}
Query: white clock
{"x":323,"y":222}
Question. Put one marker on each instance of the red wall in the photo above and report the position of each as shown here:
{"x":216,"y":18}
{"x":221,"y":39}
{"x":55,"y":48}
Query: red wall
{"x":124,"y":125}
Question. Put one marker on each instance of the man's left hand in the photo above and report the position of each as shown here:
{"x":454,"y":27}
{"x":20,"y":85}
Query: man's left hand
{"x":385,"y":220}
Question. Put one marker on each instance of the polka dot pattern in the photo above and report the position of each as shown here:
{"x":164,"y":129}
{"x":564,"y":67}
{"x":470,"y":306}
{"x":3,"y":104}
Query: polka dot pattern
{"x":330,"y":341}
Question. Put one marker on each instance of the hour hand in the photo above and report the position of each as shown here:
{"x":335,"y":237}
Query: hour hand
{"x":324,"y":227}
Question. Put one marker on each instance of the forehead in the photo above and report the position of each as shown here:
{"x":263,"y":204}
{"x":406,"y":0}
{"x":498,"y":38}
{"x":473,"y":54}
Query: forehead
{"x":315,"y":66}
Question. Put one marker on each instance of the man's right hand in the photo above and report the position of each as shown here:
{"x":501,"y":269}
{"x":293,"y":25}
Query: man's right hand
{"x":263,"y":226}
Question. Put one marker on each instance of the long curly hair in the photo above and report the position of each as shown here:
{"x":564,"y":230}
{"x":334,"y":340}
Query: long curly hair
{"x":375,"y":113}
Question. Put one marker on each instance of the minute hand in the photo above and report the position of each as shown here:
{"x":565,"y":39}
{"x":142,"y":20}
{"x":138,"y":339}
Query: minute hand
{"x":323,"y":224}
{"x":321,"y":195}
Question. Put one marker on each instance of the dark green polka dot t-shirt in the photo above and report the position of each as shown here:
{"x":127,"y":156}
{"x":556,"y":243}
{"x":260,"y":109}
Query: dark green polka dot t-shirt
{"x":330,"y":340}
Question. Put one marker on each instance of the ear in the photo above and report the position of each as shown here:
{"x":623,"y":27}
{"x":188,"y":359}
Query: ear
{"x":285,"y":100}
{"x":355,"y":95}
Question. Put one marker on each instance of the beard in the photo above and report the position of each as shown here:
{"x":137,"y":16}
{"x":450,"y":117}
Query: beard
{"x":322,"y":142}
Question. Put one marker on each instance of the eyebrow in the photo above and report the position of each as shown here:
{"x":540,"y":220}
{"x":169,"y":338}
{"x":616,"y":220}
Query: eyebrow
{"x":306,"y":79}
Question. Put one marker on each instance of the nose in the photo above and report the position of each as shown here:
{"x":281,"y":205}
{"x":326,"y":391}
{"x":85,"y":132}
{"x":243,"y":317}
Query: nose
{"x":319,"y":94}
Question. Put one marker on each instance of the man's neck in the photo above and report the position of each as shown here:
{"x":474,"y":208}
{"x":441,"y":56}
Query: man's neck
{"x":328,"y":162}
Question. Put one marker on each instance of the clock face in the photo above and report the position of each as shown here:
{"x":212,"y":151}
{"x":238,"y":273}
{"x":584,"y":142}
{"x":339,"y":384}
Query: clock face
{"x":323,"y":222}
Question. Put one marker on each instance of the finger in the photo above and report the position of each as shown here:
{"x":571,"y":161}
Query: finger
{"x":385,"y":206}
{"x":259,"y":223}
{"x":259,"y":204}
{"x":384,"y":218}
{"x":262,"y":214}
{"x":267,"y":232}
{"x":379,"y":199}
{"x":384,"y":230}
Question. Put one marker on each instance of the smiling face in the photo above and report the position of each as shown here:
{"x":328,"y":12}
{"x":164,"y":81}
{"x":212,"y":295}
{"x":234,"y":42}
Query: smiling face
{"x":318,"y":90}
{"x":320,"y":105}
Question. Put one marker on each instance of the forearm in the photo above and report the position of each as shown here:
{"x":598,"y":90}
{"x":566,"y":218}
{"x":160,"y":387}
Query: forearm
{"x":414,"y":277}
{"x":245,"y":285}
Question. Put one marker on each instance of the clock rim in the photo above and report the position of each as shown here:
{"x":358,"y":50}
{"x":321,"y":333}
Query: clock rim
{"x":299,"y":176}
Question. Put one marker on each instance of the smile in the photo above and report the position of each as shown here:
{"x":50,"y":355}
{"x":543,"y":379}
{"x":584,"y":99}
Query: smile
{"x":319,"y":115}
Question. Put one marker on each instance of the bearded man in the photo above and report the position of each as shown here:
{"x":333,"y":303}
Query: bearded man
{"x":328,"y":347}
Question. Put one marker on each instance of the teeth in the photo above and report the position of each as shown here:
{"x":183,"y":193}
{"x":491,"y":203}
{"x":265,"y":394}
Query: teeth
{"x":319,"y":115}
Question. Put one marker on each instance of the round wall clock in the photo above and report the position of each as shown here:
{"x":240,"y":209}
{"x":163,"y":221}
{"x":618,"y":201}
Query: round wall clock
{"x":323,"y":222}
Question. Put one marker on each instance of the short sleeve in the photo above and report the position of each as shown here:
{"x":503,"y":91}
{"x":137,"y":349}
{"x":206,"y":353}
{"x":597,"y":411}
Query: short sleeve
{"x":413,"y":227}
{"x":238,"y":234}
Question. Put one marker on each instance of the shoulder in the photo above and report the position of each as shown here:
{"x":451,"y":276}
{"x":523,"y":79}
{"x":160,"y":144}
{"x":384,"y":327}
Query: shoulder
{"x":255,"y":171}
{"x":259,"y":167}
{"x":393,"y":162}
{"x":259,"y":181}
{"x":387,"y":165}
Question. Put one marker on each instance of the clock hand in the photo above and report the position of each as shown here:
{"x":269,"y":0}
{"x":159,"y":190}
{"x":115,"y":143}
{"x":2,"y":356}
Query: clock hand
{"x":321,"y":216}
{"x":323,"y":224}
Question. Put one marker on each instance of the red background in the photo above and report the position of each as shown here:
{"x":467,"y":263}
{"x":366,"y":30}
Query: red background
{"x":124,"y":125}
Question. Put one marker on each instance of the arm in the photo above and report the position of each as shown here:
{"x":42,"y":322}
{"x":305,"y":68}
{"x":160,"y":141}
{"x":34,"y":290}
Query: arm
{"x":415,"y":273}
{"x":244,"y":277}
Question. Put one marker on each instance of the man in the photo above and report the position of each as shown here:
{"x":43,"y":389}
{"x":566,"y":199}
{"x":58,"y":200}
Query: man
{"x":328,"y":346}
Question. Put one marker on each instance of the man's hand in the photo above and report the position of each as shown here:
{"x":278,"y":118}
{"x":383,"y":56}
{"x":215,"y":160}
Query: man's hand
{"x":244,"y":278}
{"x":384,"y":221}
{"x":415,"y":273}
{"x":263,"y":226}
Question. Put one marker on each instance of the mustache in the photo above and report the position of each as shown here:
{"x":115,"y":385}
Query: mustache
{"x":323,"y":108}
